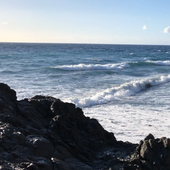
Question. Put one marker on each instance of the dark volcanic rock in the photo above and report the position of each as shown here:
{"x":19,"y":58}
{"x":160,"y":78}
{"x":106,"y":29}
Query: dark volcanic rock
{"x":151,"y":154}
{"x":44,"y":133}
{"x":7,"y":92}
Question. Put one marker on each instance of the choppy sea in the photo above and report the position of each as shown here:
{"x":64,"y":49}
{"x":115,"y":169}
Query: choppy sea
{"x":125,"y":87}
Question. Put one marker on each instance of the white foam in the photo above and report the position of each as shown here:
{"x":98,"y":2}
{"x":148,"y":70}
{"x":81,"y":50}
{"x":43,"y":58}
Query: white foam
{"x":131,"y":123}
{"x":124,"y":90}
{"x":94,"y":66}
{"x":161,"y":63}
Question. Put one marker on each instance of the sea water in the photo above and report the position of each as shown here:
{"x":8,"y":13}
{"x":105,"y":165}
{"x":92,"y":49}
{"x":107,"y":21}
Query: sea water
{"x":125,"y":87}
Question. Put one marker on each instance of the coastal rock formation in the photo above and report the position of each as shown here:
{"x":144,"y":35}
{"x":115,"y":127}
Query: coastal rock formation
{"x":44,"y":133}
{"x":151,"y":154}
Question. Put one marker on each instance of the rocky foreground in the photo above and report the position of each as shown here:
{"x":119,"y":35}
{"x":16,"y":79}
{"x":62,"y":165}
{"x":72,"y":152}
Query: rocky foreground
{"x":44,"y":133}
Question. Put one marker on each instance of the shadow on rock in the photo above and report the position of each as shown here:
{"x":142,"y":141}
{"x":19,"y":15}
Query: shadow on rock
{"x":44,"y":133}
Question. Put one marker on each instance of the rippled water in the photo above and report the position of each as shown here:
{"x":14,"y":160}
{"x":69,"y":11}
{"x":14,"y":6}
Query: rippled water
{"x":125,"y":87}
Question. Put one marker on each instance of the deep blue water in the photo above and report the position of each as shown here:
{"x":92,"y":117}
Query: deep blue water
{"x":126,"y":87}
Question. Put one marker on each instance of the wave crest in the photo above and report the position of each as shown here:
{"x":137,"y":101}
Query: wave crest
{"x":93,"y":67}
{"x":161,"y":63}
{"x":124,"y":90}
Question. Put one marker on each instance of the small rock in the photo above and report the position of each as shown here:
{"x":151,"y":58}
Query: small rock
{"x":150,"y":136}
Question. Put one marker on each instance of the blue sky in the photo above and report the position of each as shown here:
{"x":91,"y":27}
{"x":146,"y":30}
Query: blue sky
{"x":85,"y":21}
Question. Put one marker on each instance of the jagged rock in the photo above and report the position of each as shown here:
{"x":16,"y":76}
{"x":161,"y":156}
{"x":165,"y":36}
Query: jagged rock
{"x":75,"y":164}
{"x":146,"y":151}
{"x":60,"y":165}
{"x":7,"y":92}
{"x":44,"y":133}
{"x":61,"y":153}
{"x":152,"y":154}
{"x":42,"y":147}
{"x":150,"y":136}
{"x":35,"y":130}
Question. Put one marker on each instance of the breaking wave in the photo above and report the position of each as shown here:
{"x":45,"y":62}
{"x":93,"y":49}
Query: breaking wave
{"x":93,"y":67}
{"x":161,"y":63}
{"x":124,"y":90}
{"x":115,"y":66}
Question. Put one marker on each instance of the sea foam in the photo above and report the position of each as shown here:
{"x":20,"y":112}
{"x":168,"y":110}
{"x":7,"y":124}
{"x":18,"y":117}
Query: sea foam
{"x":93,"y":67}
{"x":161,"y":63}
{"x":124,"y":90}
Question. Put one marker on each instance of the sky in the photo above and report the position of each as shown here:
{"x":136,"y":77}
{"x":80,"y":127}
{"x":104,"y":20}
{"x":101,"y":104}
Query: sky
{"x":85,"y":21}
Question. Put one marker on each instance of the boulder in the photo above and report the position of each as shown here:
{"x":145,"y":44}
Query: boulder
{"x":151,"y":154}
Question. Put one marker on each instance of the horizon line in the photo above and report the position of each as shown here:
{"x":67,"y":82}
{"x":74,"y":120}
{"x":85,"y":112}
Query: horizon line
{"x":84,"y":43}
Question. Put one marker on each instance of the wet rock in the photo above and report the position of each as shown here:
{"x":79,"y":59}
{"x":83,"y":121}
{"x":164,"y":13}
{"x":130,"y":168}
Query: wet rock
{"x":152,"y":154}
{"x":42,"y":147}
{"x":7,"y":92}
{"x":44,"y":165}
{"x":31,"y":166}
{"x":75,"y":164}
{"x":44,"y":133}
{"x":150,"y":136}
{"x":146,"y":165}
{"x":146,"y":151}
{"x":60,"y":165}
{"x":61,"y":152}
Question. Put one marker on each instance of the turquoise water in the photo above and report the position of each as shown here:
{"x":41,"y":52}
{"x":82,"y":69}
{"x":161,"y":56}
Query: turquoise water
{"x":125,"y":87}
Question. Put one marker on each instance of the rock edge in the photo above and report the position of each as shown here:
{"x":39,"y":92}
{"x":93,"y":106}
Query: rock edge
{"x":44,"y":133}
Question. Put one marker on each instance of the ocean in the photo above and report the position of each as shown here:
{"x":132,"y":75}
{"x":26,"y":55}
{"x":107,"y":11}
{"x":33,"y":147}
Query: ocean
{"x":125,"y":87}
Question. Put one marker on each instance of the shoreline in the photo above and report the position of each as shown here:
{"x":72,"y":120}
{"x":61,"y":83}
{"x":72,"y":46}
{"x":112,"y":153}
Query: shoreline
{"x":44,"y":133}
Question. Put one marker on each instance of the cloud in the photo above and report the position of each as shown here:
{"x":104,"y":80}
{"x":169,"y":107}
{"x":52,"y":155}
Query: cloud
{"x":167,"y":29}
{"x":144,"y":27}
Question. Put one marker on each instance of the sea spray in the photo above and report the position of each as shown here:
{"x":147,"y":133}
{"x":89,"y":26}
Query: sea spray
{"x":120,"y":92}
{"x":125,"y":87}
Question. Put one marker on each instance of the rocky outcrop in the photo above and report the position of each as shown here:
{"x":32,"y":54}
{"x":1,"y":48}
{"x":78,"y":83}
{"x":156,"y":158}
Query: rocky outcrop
{"x":44,"y":133}
{"x":151,"y":154}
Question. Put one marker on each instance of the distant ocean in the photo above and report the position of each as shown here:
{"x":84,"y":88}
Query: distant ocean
{"x":125,"y":87}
